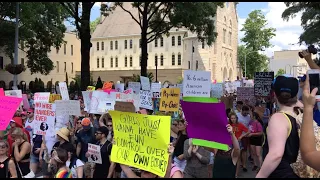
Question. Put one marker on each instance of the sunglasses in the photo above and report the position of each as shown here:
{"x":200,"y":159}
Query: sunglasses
{"x":28,"y":112}
{"x":97,"y":133}
{"x":78,"y":122}
{"x":109,"y":125}
{"x":3,"y":146}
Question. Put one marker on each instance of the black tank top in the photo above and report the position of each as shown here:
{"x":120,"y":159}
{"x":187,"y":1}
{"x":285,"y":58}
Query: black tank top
{"x":290,"y":154}
{"x":4,"y":169}
{"x":223,"y":166}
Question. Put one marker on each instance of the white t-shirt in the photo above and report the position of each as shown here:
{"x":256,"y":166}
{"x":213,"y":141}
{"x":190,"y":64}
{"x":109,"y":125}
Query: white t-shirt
{"x":79,"y":163}
{"x":29,"y":127}
{"x":244,"y":119}
{"x":50,"y":140}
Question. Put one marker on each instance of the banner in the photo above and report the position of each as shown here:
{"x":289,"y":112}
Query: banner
{"x":44,"y":117}
{"x":196,"y":83}
{"x":207,"y":121}
{"x":95,"y":154}
{"x":67,"y":107}
{"x":8,"y":106}
{"x":41,"y":97}
{"x":146,"y":99}
{"x":64,"y":91}
{"x":141,"y":141}
{"x":170,"y":99}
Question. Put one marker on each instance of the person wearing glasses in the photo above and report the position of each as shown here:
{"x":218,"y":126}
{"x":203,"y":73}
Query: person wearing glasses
{"x":29,"y":122}
{"x":7,"y":165}
{"x":106,"y":121}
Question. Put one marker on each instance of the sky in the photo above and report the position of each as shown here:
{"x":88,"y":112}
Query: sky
{"x":287,"y":32}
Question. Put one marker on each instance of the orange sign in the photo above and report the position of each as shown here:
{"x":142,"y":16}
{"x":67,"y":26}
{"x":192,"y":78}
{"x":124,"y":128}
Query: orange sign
{"x":107,"y":86}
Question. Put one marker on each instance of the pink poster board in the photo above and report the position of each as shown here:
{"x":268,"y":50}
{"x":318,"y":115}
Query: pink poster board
{"x":25,"y":101}
{"x":8,"y":106}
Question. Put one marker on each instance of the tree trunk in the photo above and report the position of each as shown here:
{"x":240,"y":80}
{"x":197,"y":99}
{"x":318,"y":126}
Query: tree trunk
{"x":144,"y":43}
{"x":85,"y":45}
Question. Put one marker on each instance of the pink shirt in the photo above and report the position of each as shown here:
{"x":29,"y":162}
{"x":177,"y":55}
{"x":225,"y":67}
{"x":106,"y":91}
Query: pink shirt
{"x":255,"y":126}
{"x":173,"y":170}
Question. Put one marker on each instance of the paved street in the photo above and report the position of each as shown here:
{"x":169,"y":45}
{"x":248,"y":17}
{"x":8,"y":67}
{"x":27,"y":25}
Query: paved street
{"x":249,"y":173}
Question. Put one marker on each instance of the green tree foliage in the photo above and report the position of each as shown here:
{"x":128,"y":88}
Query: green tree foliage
{"x":99,"y":84}
{"x":310,"y":21}
{"x":41,"y":26}
{"x":256,"y":38}
{"x":280,"y":72}
{"x":136,"y":77}
{"x":157,"y":18}
{"x":180,"y":80}
{"x":94,"y":24}
{"x":77,"y":80}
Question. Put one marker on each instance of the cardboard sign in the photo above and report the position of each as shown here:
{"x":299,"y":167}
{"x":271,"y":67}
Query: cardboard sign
{"x":95,"y":154}
{"x":246,"y":95}
{"x":119,"y":87}
{"x":54,"y":97}
{"x":67,"y":107}
{"x":25,"y":102}
{"x":135,"y":86}
{"x":146,"y":100}
{"x":124,"y":107}
{"x":170,"y":99}
{"x":44,"y":117}
{"x":42,"y":97}
{"x":91,"y":88}
{"x":107,"y":85}
{"x":145,"y":83}
{"x":64,"y":91}
{"x":217,"y":90}
{"x":262,"y":83}
{"x":196,"y":83}
{"x":8,"y":106}
{"x":155,"y":90}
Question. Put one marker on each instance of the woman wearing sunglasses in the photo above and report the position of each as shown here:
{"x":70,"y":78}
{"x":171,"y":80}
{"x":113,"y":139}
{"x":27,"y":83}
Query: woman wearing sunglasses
{"x":7,"y":166}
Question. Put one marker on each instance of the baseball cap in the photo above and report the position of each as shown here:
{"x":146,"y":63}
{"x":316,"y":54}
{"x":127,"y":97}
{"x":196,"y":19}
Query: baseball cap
{"x":30,"y":110}
{"x":24,"y":113}
{"x":86,"y":123}
{"x":104,"y":130}
{"x":286,"y":83}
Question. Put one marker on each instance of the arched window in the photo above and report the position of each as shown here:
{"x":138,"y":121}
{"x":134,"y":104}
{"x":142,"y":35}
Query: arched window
{"x":173,"y":39}
{"x":161,"y":60}
{"x":179,"y":59}
{"x":156,"y":60}
{"x":173,"y":59}
{"x":125,"y":61}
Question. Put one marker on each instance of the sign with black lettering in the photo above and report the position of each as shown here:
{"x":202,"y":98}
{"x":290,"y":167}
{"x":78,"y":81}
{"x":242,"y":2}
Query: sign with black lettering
{"x":170,"y":99}
{"x":146,"y":100}
{"x":262,"y":83}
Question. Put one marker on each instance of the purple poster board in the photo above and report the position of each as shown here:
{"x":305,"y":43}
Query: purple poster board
{"x":207,"y":121}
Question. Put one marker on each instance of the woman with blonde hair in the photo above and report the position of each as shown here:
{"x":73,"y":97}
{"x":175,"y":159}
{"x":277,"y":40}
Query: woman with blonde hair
{"x":7,"y":166}
{"x":21,"y":153}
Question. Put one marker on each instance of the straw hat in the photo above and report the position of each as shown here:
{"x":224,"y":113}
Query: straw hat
{"x":64,"y":133}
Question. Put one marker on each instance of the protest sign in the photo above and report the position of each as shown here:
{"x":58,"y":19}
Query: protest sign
{"x":170,"y":99}
{"x":61,"y":121}
{"x":42,"y":97}
{"x":217,"y":90}
{"x":196,"y":83}
{"x":86,"y":99}
{"x":246,"y":95}
{"x":207,"y":121}
{"x":44,"y":117}
{"x":98,"y":102}
{"x":155,"y":90}
{"x":64,"y":90}
{"x":262,"y":83}
{"x":1,"y":92}
{"x":67,"y":107}
{"x":146,"y":99}
{"x":124,"y":107}
{"x":25,"y":102}
{"x":95,"y":154}
{"x":91,"y":88}
{"x":141,"y":141}
{"x":133,"y":98}
{"x":107,"y":86}
{"x":145,"y":83}
{"x":210,"y":144}
{"x":128,"y":91}
{"x":54,"y":97}
{"x":135,"y":86}
{"x":8,"y":106}
{"x":106,"y":106}
{"x":14,"y":93}
{"x":119,"y":87}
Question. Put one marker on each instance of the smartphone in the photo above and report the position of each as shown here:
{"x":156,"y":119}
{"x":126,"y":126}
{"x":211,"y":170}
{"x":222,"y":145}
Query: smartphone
{"x":314,"y":80}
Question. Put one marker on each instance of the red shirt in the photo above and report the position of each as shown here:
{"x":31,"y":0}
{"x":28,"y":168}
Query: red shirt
{"x":238,"y":129}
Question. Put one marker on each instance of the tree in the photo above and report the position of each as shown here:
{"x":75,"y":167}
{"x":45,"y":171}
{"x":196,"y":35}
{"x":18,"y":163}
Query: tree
{"x":99,"y":84}
{"x":280,"y":72}
{"x":158,"y":18}
{"x":256,"y":38}
{"x":94,"y":24}
{"x":310,"y":21}
{"x":80,"y":13}
{"x":77,"y":80}
{"x":136,"y":77}
{"x":41,"y":26}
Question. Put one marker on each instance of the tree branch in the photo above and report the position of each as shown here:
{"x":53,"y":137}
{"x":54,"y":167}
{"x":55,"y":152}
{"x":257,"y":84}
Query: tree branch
{"x":156,"y":10}
{"x":156,"y":34}
{"x":160,"y":22}
{"x":73,"y":11}
{"x":139,"y":12}
{"x":130,"y":15}
{"x":77,"y":20}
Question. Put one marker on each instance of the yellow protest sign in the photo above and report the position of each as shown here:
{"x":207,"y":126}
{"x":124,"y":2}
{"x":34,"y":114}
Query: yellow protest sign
{"x":170,"y":99}
{"x":91,"y":88}
{"x":141,"y":141}
{"x":54,"y":97}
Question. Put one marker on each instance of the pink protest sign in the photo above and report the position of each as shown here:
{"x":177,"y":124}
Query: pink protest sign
{"x":8,"y":106}
{"x":1,"y":92}
{"x":25,"y":101}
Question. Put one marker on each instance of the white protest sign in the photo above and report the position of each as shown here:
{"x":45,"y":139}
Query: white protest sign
{"x":61,"y":121}
{"x":105,"y":106}
{"x":44,"y":118}
{"x":217,"y":90}
{"x":95,"y":154}
{"x":146,"y":100}
{"x":14,"y":93}
{"x":42,"y":97}
{"x":145,"y":83}
{"x":67,"y":107}
{"x":86,"y":99}
{"x":155,"y":90}
{"x":119,"y":87}
{"x":135,"y":86}
{"x":97,"y":98}
{"x":64,"y":90}
{"x":196,"y":83}
{"x":236,"y":84}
